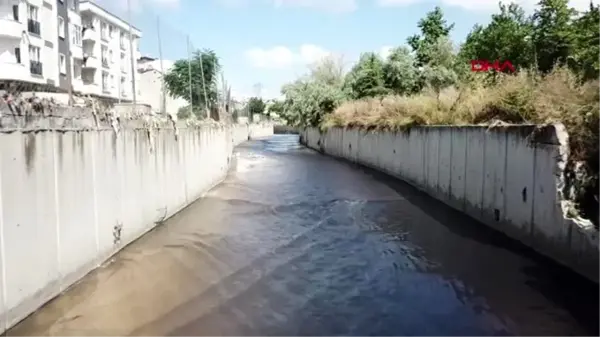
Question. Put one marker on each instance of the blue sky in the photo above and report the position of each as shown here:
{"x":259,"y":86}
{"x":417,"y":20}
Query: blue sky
{"x":271,"y":42}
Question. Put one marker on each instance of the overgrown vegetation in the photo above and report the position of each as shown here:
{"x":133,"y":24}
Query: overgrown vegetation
{"x":555,"y":52}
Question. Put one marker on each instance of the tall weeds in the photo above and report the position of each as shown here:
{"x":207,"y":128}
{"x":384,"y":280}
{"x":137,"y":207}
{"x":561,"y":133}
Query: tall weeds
{"x":523,"y":98}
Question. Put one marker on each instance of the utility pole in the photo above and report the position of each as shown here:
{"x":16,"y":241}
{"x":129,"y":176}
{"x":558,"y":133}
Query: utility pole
{"x":163,"y":101}
{"x":131,"y":55}
{"x":68,"y":55}
{"x":190,"y":73}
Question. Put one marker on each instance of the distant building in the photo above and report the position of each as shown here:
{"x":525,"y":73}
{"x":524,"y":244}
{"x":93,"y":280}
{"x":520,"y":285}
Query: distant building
{"x":106,"y":66}
{"x":150,"y":85}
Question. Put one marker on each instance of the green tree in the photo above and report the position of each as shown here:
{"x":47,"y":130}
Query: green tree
{"x":256,"y":106}
{"x":433,"y":27}
{"x":276,"y":107}
{"x":553,"y":33}
{"x":400,"y":75}
{"x":439,"y":72}
{"x":508,"y":37}
{"x":204,"y":67}
{"x":310,"y":98}
{"x":586,"y":44}
{"x":366,"y":78}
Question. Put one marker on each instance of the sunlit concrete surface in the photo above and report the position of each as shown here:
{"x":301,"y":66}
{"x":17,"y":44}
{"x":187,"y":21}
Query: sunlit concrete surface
{"x":296,"y":243}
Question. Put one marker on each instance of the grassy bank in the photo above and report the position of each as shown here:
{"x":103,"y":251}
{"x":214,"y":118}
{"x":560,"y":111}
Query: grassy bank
{"x":525,"y":98}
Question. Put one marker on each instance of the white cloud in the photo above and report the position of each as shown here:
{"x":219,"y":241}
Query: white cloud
{"x":394,"y":3}
{"x":479,"y":5}
{"x":325,"y":5}
{"x":120,"y":6}
{"x":283,"y":57}
{"x":339,"y":6}
{"x":310,"y":53}
{"x":276,"y":57}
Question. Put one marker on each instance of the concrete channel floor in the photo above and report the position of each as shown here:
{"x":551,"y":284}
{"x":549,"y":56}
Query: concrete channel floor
{"x":296,"y":243}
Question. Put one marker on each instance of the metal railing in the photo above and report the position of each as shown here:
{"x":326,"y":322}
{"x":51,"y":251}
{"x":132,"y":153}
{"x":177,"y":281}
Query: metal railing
{"x":34,"y":27}
{"x":36,"y":68}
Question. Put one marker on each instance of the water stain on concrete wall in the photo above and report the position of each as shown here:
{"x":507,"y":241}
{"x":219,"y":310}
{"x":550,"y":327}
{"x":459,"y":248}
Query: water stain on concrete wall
{"x":81,"y":144}
{"x":60,"y":148}
{"x":114,"y":144}
{"x":30,"y":150}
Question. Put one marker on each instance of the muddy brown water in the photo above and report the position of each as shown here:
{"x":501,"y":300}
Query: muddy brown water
{"x":297,"y":243}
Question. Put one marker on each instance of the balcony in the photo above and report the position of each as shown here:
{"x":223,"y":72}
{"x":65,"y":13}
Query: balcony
{"x":11,"y":30}
{"x":105,"y":62}
{"x":90,"y":88}
{"x":34,"y":27}
{"x":122,"y":44}
{"x":14,"y":71}
{"x":36,"y":68}
{"x":88,"y":34}
{"x":90,"y":62}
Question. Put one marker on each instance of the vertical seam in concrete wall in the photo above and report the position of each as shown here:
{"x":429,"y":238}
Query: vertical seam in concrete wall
{"x":505,"y":174}
{"x":94,"y":196}
{"x":532,"y":217}
{"x":437,"y":188}
{"x":464,"y":207}
{"x":450,"y":175}
{"x":3,"y":259}
{"x":424,"y":157}
{"x":55,"y":159}
{"x":483,"y":171}
{"x":181,"y":149}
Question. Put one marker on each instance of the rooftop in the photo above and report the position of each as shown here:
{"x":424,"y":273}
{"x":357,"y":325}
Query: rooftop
{"x":93,"y":7}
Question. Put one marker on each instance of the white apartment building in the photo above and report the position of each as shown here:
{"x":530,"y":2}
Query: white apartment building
{"x":36,"y":47}
{"x":150,"y":91}
{"x":28,"y":41}
{"x":105,"y":69}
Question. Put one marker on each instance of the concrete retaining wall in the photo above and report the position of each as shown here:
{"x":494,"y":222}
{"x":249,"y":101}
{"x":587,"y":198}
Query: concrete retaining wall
{"x":506,"y":177}
{"x":70,"y":199}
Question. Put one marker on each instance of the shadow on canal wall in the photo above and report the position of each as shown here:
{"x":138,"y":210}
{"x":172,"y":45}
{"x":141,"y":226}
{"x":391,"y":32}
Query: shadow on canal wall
{"x":507,"y":177}
{"x":71,"y":197}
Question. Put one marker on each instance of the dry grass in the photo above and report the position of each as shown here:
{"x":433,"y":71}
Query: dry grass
{"x":524,"y":98}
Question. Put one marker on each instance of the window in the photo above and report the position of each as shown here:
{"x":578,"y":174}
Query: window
{"x":61,"y":27}
{"x":16,"y":12}
{"x":63,"y":63}
{"x":112,"y":81}
{"x":18,"y":54}
{"x":76,"y":35}
{"x":35,"y":66}
{"x":123,"y":91}
{"x":123,"y":63}
{"x":33,"y":25}
{"x":77,"y":69}
{"x":32,"y":12}
{"x":104,"y":81}
{"x":72,"y":4}
{"x":122,"y":40}
{"x":34,"y":53}
{"x":111,"y":57}
{"x":104,"y":55}
{"x":104,"y":31}
{"x":111,"y":31}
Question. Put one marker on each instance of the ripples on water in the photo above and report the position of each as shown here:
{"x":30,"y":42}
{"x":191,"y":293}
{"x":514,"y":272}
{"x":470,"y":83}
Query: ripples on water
{"x":296,"y":243}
